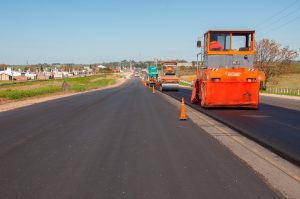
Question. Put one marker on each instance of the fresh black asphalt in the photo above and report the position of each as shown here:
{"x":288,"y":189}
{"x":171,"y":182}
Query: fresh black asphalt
{"x":118,"y":143}
{"x":274,"y":126}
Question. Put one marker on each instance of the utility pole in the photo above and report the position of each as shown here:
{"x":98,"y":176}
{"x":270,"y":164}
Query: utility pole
{"x":12,"y":76}
{"x":130,"y":64}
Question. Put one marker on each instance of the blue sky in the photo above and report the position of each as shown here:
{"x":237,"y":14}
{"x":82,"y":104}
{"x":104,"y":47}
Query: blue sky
{"x":90,"y":31}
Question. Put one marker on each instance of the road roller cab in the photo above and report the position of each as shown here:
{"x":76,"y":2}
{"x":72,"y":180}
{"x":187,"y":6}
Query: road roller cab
{"x":227,"y":77}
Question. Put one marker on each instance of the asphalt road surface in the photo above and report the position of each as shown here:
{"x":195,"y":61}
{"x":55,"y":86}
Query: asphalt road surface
{"x":123,"y":142}
{"x":293,"y":104}
{"x":275,"y":125}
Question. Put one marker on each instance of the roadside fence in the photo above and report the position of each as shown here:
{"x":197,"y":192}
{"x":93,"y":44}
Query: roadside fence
{"x":284,"y":91}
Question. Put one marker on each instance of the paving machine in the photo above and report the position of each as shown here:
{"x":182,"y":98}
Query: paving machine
{"x":168,"y":80}
{"x":227,"y":77}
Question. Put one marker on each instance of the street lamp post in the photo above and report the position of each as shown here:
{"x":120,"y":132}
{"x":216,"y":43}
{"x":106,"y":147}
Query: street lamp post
{"x":200,"y":53}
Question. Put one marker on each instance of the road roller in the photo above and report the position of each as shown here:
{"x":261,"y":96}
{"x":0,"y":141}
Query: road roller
{"x":227,"y":76}
{"x":168,"y":80}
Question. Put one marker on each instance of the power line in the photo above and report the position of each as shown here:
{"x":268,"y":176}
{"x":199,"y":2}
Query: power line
{"x":281,"y":18}
{"x":278,"y":13}
{"x":282,"y":25}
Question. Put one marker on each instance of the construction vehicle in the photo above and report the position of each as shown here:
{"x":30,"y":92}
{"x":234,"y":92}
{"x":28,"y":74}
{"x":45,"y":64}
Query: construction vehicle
{"x":137,"y":74}
{"x":152,"y":75}
{"x":168,"y":81}
{"x":227,"y":77}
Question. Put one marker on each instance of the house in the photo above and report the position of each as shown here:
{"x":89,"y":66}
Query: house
{"x":4,"y":77}
{"x":185,"y":64}
{"x":30,"y":75}
{"x":101,"y":67}
{"x":87,"y":69}
{"x":46,"y":75}
{"x":9,"y":73}
{"x":21,"y":78}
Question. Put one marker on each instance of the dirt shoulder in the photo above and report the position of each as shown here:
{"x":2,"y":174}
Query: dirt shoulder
{"x":27,"y":102}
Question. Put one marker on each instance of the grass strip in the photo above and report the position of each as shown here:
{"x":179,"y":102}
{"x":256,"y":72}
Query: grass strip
{"x":75,"y":84}
{"x":185,"y":84}
{"x":20,"y":94}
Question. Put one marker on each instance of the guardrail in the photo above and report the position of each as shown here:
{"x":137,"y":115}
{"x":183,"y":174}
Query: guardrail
{"x":284,"y":91}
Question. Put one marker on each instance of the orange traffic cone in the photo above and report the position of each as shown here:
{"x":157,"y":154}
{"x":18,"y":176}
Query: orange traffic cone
{"x":182,"y":113}
{"x":153,"y":90}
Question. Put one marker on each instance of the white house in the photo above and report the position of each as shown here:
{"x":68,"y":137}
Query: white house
{"x":185,"y":64}
{"x":30,"y":75}
{"x":10,"y":72}
{"x":101,"y":67}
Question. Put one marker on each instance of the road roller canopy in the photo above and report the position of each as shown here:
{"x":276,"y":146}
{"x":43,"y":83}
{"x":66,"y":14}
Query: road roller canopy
{"x":229,"y":42}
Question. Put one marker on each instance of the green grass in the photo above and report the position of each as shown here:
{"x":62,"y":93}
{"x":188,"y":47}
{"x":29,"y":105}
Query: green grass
{"x":20,"y":94}
{"x":87,"y":83}
{"x":5,"y":82}
{"x":16,"y":91}
{"x":285,"y":81}
{"x":19,"y":83}
{"x":287,"y":84}
{"x":185,"y":84}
